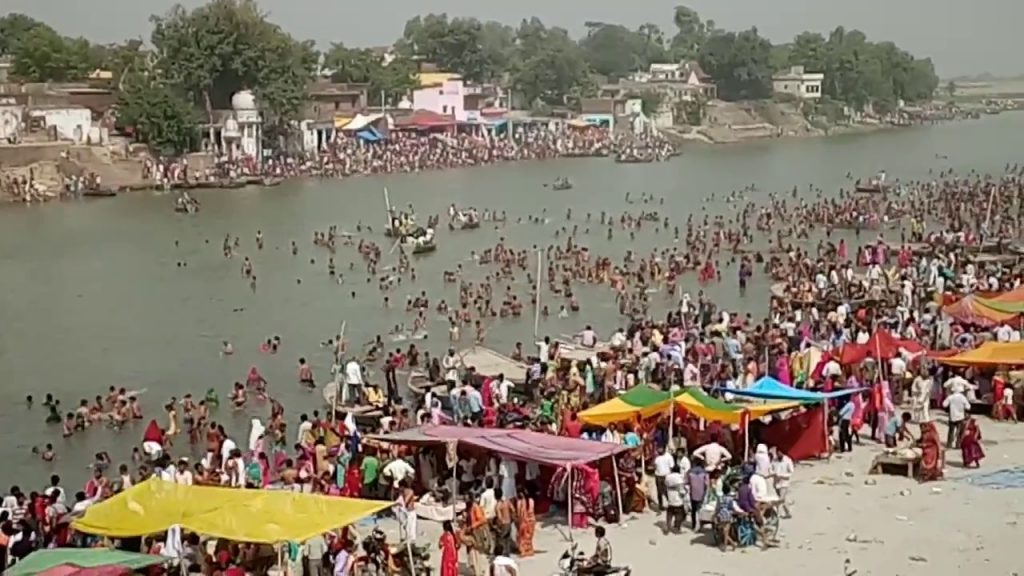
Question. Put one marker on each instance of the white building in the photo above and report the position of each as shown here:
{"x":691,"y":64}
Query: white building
{"x":64,"y":122}
{"x":797,"y":82}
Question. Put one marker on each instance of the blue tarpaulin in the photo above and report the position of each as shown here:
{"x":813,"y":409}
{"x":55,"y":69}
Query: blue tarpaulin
{"x":769,"y":388}
{"x":369,"y":134}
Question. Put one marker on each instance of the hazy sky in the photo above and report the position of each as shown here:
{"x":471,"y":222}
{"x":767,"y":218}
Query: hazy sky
{"x":962,"y":37}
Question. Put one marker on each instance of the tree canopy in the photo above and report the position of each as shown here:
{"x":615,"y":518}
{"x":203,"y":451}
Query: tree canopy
{"x":196,"y":59}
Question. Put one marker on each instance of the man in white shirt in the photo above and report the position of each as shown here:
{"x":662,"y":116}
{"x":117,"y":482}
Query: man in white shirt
{"x":1003,"y":333}
{"x":959,"y":407}
{"x":675,"y":497}
{"x":504,"y":389}
{"x":588,"y":338}
{"x":663,"y":464}
{"x":353,"y":382}
{"x":713,"y":454}
{"x":398,"y":470}
{"x":450,"y":363}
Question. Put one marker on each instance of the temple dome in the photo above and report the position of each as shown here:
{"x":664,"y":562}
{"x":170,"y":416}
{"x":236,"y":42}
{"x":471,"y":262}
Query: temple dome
{"x":243,"y":100}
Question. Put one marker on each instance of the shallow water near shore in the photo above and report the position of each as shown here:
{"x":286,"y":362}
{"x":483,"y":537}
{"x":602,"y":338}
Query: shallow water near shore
{"x":90,"y":294}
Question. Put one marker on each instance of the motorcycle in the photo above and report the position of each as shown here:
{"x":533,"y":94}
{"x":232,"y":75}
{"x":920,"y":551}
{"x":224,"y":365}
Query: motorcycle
{"x":574,"y":563}
{"x":383,"y":559}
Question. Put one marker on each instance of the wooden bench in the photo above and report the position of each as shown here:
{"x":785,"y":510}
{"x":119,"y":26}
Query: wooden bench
{"x":910,"y":466}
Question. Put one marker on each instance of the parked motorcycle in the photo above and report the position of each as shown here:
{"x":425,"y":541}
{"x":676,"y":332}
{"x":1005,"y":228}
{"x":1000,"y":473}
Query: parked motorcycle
{"x":573,"y":562}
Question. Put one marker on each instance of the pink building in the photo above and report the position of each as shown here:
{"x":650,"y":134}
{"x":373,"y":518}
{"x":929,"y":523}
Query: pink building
{"x":447,"y":98}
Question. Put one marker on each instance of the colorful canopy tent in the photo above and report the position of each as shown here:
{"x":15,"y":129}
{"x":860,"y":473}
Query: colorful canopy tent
{"x":971,"y":310}
{"x":697,"y":402}
{"x":638,"y":402}
{"x":523,"y":445}
{"x":768,"y":388}
{"x":423,"y":119}
{"x":881,"y":346}
{"x":258,"y":516}
{"x":68,"y":561}
{"x":989,"y":354}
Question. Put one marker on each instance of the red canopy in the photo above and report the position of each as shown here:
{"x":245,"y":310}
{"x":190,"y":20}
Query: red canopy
{"x":425,"y":119}
{"x":881,"y":346}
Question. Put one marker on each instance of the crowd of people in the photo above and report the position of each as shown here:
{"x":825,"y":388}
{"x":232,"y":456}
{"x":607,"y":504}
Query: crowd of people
{"x":842,"y":296}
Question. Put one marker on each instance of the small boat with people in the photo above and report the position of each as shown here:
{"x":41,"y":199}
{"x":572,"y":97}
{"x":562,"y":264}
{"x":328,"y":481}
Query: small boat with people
{"x":468,"y":219}
{"x":562,"y":183}
{"x":186,"y":204}
{"x":419,"y":241}
{"x":876,"y":185}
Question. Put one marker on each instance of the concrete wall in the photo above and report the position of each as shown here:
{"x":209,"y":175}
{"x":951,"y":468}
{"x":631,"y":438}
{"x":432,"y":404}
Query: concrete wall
{"x":28,"y":154}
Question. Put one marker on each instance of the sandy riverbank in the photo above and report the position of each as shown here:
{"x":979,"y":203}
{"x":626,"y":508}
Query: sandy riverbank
{"x":843,"y":521}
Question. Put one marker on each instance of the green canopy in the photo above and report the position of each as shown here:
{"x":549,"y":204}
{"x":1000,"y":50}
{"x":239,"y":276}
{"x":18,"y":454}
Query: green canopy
{"x":638,"y":402}
{"x":1006,"y":307}
{"x":43,"y":560}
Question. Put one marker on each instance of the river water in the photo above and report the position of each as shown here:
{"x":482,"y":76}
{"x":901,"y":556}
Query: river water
{"x":91,"y":296}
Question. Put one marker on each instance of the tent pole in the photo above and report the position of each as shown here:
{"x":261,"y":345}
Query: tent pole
{"x":338,"y":376}
{"x":618,"y":486}
{"x":536,"y":316}
{"x":568,"y":494}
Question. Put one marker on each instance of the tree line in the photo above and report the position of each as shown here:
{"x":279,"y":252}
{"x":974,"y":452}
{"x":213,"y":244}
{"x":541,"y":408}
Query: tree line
{"x":197,"y":59}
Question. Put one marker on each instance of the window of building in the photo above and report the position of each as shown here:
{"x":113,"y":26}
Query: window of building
{"x":444,"y":109}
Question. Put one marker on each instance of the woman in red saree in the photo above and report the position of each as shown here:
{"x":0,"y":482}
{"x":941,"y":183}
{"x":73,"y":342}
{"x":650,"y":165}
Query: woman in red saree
{"x":526,"y":523}
{"x":449,"y":546}
{"x":353,"y":480}
{"x":970,"y":445}
{"x":931,"y":453}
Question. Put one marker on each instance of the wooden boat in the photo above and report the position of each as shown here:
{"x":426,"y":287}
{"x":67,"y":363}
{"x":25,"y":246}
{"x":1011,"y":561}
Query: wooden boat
{"x":270,"y":182}
{"x":872,"y":188}
{"x":634,"y":159}
{"x":99,"y":193}
{"x":424,"y":247}
{"x":562,"y":185}
{"x":330,"y":389}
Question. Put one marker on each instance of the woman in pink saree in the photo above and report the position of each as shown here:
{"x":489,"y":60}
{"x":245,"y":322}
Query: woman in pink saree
{"x":886,"y":409}
{"x":782,"y":370}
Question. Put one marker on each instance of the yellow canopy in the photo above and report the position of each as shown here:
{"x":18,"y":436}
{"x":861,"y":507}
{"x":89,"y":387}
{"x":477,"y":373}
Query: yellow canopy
{"x":989,"y":354}
{"x":259,"y":516}
{"x":696,"y":402}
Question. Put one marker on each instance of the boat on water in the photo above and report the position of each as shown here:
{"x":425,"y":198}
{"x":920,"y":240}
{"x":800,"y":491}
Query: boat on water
{"x":463,"y":219}
{"x":634,"y":158}
{"x":421,"y":241}
{"x":562,"y":184}
{"x":99,"y":193}
{"x":186,"y":204}
{"x":876,"y":185}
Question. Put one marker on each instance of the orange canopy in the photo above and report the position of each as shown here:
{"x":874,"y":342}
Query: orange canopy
{"x":989,"y":354}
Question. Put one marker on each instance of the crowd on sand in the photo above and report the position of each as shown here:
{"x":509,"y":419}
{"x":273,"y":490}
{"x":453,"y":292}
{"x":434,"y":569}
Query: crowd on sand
{"x":871,"y":308}
{"x":406,"y":151}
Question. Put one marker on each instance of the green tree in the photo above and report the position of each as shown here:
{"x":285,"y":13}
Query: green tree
{"x":392,"y":82}
{"x":350,"y":65}
{"x":461,"y":45}
{"x":157,"y":113}
{"x":740,"y":63}
{"x":810,"y":51}
{"x":42,"y":55}
{"x":691,"y":33}
{"x":951,"y":88}
{"x":616,"y":51}
{"x":226,"y":46}
{"x":550,"y":67}
{"x":13,"y":29}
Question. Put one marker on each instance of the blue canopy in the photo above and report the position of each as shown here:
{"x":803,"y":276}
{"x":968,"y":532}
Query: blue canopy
{"x":369,"y":134}
{"x":769,"y":388}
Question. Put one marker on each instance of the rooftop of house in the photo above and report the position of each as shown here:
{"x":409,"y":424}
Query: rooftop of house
{"x":328,"y":88}
{"x":798,"y":73}
{"x":598,"y":105}
{"x":428,"y":79}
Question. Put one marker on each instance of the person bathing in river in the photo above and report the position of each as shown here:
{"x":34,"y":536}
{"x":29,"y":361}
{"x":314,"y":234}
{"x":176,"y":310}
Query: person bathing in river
{"x":306,"y":374}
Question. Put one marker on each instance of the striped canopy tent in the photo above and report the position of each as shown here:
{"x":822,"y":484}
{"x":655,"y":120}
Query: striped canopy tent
{"x":700,"y":404}
{"x":638,"y":402}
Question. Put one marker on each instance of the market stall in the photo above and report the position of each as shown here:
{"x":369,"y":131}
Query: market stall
{"x":257,"y":516}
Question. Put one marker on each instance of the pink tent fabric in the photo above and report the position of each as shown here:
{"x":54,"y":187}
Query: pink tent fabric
{"x":881,"y":346}
{"x":72,"y":570}
{"x":519,"y":444}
